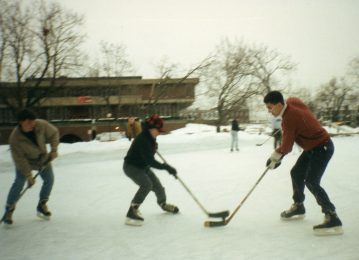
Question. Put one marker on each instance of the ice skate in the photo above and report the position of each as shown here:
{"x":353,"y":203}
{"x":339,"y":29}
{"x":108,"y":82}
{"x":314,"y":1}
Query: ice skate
{"x":7,"y":218}
{"x":331,"y":226}
{"x":169,"y":208}
{"x":42,"y":210}
{"x":133,"y":217}
{"x":296,"y":212}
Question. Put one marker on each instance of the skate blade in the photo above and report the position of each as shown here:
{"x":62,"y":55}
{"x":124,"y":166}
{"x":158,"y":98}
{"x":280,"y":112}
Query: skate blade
{"x":42,"y":216}
{"x":7,"y":226}
{"x":295,"y":217}
{"x":133,"y":222}
{"x":334,"y":231}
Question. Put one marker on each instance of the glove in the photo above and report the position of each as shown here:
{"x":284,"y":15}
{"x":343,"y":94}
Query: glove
{"x":170,"y":169}
{"x":274,"y":160}
{"x":53,"y":155}
{"x":30,"y":180}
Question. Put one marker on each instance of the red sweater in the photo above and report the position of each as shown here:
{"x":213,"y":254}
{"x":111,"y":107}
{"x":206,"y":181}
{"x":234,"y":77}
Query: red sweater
{"x":300,"y":125}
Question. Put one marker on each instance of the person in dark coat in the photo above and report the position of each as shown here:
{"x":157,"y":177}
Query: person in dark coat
{"x":234,"y":135}
{"x":137,"y":166}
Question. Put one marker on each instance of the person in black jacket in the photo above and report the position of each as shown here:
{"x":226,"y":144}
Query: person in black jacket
{"x":234,"y":134}
{"x":137,"y":166}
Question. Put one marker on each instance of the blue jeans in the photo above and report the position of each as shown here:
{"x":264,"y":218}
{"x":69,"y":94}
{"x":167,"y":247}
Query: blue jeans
{"x":234,"y":140}
{"x":308,"y":171}
{"x":47,"y":176}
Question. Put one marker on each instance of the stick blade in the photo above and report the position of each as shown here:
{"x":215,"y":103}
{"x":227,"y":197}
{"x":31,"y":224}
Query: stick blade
{"x":222,"y":214}
{"x":215,"y":223}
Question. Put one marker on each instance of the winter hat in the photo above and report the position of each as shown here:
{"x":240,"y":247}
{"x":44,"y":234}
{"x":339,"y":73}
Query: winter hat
{"x":155,"y":122}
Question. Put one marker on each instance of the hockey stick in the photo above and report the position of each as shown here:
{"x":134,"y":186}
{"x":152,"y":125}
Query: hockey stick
{"x":27,"y":187}
{"x":260,"y":144}
{"x":221,"y":214}
{"x":227,"y":220}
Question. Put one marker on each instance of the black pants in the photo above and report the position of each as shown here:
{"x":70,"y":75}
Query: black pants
{"x":308,"y":171}
{"x":147,"y":180}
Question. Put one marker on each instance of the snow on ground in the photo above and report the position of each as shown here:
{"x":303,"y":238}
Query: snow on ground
{"x":91,"y":197}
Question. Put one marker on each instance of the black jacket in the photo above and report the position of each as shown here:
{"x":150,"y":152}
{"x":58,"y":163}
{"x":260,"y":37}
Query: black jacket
{"x":235,"y":126}
{"x":142,"y":151}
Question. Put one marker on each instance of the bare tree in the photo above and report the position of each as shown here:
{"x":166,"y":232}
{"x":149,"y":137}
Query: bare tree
{"x":44,"y":42}
{"x":332,"y":97}
{"x":228,"y":78}
{"x":19,"y":54}
{"x":240,"y":72}
{"x":166,"y":71}
{"x":113,"y":61}
{"x":166,"y":81}
{"x":353,"y":71}
{"x":61,"y":39}
{"x":266,"y":65}
{"x":352,"y":77}
{"x":3,"y":35}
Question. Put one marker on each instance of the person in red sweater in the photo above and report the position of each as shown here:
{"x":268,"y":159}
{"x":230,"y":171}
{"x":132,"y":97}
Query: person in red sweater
{"x":300,"y":126}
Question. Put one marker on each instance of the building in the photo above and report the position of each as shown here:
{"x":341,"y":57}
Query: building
{"x":80,"y":105}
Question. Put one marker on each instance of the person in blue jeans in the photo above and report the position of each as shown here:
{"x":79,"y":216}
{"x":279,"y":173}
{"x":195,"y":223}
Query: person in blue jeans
{"x":28,"y":144}
{"x":300,"y":126}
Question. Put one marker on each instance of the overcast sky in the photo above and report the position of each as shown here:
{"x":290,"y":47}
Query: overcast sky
{"x":321,"y":36}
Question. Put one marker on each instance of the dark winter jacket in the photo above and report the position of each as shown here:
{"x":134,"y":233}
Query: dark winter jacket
{"x":142,"y":151}
{"x":235,"y":126}
{"x":300,"y":125}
